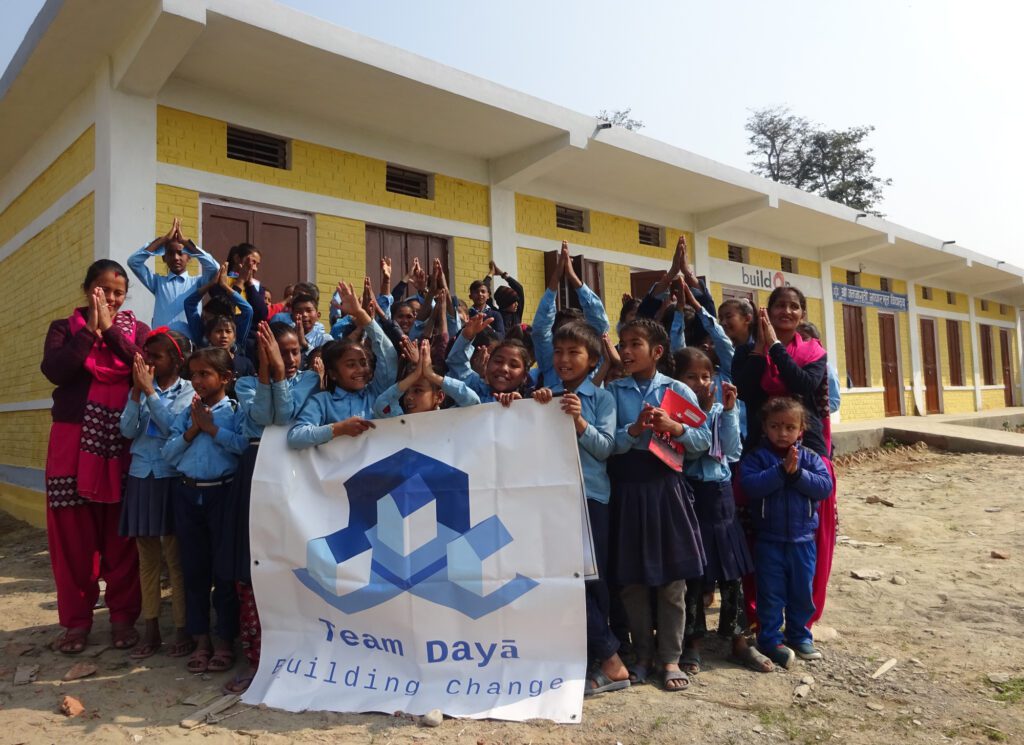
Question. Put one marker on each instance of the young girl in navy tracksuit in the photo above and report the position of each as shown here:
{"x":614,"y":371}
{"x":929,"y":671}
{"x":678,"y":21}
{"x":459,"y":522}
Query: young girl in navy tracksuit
{"x":785,"y":482}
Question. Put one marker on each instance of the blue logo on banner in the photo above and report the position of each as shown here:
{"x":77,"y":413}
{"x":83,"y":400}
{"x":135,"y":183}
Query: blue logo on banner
{"x":409,"y":531}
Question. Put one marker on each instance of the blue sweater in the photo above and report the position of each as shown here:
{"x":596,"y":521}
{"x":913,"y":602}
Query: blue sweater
{"x":784,"y":507}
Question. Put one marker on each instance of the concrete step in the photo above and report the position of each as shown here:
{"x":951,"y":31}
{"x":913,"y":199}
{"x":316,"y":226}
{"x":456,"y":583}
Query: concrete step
{"x":981,"y":432}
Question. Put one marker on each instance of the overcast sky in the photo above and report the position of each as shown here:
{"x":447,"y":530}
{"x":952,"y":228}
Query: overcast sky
{"x":940,"y":80}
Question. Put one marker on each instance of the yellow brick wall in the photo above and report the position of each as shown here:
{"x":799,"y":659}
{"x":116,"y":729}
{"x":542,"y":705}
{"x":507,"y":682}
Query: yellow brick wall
{"x":536,"y":216}
{"x":993,"y":311}
{"x":199,"y":142}
{"x":70,"y":167}
{"x":40,"y":282}
{"x":763,"y":258}
{"x":23,"y":436}
{"x":471,"y":263}
{"x":859,"y":406}
{"x":531,"y":277}
{"x":939,"y":300}
{"x":340,"y":252}
{"x":993,"y":399}
{"x":616,"y":283}
{"x":957,"y":402}
{"x":172,"y":202}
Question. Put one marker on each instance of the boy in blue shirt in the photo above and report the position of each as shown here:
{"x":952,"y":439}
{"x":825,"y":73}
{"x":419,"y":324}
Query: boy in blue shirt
{"x":171,"y":289}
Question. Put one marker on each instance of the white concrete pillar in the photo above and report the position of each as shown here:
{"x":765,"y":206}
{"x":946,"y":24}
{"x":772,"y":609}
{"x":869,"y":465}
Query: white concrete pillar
{"x":503,"y":230}
{"x":916,"y":367}
{"x":828,"y":313}
{"x":125,"y":179}
{"x":701,"y":258}
{"x":975,"y":352}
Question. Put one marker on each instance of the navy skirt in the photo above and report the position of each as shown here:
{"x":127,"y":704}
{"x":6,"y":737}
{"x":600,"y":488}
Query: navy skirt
{"x":725,"y":546}
{"x":146,"y":508}
{"x":655,"y":538}
{"x":236,"y":559}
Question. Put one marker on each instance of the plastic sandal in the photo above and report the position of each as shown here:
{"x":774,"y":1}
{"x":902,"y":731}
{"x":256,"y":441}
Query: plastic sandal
{"x":604,"y":683}
{"x":221,"y":661}
{"x":691,"y":661}
{"x":72,"y":642}
{"x":198,"y":661}
{"x":670,"y":676}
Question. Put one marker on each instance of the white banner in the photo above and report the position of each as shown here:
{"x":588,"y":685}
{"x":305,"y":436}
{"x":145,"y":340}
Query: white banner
{"x":434,"y":562}
{"x":758,"y":278}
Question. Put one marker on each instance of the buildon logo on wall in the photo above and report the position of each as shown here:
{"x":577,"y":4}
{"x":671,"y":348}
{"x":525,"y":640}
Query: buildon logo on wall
{"x":409,"y":531}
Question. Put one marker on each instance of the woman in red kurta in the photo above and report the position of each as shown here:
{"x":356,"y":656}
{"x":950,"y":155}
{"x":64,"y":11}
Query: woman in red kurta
{"x":88,"y":356}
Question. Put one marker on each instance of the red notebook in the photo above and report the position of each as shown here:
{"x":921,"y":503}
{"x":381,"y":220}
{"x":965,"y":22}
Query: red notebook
{"x":662,"y":445}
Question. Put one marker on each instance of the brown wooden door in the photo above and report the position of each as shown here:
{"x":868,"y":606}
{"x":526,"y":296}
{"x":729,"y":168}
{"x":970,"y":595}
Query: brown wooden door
{"x":1004,"y":353}
{"x":856,"y":347}
{"x":590,"y":272}
{"x":641,"y":282}
{"x":281,"y":241}
{"x":402,"y":247}
{"x":930,"y":360}
{"x":891,"y":378}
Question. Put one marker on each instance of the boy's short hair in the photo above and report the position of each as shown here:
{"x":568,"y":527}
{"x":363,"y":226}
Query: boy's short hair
{"x":807,"y":329}
{"x":582,"y":334}
{"x":568,"y":315}
{"x":218,"y":305}
{"x":305,"y":298}
{"x":780,"y":404}
{"x":306,"y":288}
{"x":504,"y":297}
{"x":475,"y":285}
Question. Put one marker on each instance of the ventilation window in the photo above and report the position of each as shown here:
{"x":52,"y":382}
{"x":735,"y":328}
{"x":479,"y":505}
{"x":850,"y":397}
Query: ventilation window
{"x":650,"y":235}
{"x":1002,"y":309}
{"x":853,"y":278}
{"x":950,"y":298}
{"x":737,"y":254}
{"x":570,"y":218}
{"x":883,"y":284}
{"x":410,"y":183}
{"x":926,"y":293}
{"x":788,"y":264}
{"x":255,"y":147}
{"x":984,"y":304}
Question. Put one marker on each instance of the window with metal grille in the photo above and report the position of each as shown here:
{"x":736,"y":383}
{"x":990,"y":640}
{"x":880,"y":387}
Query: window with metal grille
{"x":984,"y":304}
{"x":737,"y":254}
{"x":788,"y":264}
{"x":591,"y":272}
{"x":570,"y":218}
{"x":853,"y":278}
{"x":883,"y":284}
{"x":926,"y":293}
{"x":651,"y":235}
{"x":256,"y":147}
{"x":950,"y":298}
{"x":1002,"y":309}
{"x":408,"y":182}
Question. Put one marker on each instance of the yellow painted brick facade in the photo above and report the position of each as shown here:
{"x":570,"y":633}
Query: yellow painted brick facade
{"x":45,"y":276}
{"x":993,"y":399}
{"x":23,"y":435}
{"x":616,"y":284}
{"x":531,"y":277}
{"x":70,"y":167}
{"x":172,"y":202}
{"x":1007,"y":313}
{"x":471,"y":263}
{"x":857,"y":406}
{"x":760,"y":257}
{"x":958,"y":402}
{"x":940,"y":300}
{"x":536,"y":216}
{"x":199,"y":142}
{"x":340,"y":253}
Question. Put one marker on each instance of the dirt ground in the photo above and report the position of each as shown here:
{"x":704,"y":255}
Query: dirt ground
{"x":949,"y":613}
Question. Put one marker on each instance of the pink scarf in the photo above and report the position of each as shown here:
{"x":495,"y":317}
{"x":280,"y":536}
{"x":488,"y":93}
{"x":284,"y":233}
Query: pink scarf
{"x":803,"y":354}
{"x":102,"y":451}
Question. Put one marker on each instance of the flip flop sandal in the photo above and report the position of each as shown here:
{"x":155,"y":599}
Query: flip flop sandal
{"x":124,"y":637}
{"x":691,"y":661}
{"x":751,"y":659}
{"x":143,"y":651}
{"x":638,"y":674}
{"x":239,"y":684}
{"x":604,"y":683}
{"x":222,"y":661}
{"x":72,"y":642}
{"x":181,"y":648}
{"x":198,"y":661}
{"x":670,"y":676}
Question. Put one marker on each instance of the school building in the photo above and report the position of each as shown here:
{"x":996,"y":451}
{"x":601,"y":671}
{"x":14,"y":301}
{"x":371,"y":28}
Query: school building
{"x":327,"y":149}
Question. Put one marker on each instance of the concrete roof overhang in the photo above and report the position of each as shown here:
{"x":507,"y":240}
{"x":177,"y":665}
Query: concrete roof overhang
{"x":262,"y":52}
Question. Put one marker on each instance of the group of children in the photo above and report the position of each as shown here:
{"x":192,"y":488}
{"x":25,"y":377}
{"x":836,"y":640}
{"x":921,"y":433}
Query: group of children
{"x":207,"y":382}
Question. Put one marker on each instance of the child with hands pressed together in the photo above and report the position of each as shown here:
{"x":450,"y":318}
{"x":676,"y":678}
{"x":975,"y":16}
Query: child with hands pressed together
{"x":506,"y":372}
{"x":709,"y":474}
{"x":205,"y":444}
{"x":355,"y":383}
{"x":785,"y":483}
{"x":577,"y":349}
{"x":158,"y":397}
{"x":222,"y":303}
{"x":422,"y":389}
{"x":658,"y":544}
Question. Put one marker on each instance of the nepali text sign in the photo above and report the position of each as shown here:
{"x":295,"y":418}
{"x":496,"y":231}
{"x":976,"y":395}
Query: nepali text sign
{"x":852,"y":295}
{"x":433,"y":562}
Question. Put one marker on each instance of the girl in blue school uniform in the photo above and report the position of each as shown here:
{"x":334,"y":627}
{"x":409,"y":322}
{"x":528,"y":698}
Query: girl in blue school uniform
{"x":423,"y":389}
{"x":158,"y":396}
{"x":709,"y":474}
{"x":576,"y":350}
{"x":506,"y":368}
{"x":205,"y":445}
{"x":354,"y":383}
{"x":274,"y":396}
{"x":656,"y":542}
